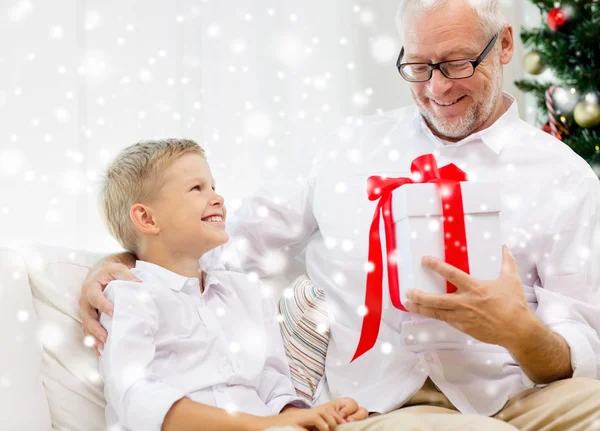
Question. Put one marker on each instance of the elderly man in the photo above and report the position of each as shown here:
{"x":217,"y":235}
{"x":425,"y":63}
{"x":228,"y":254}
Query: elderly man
{"x":521,"y":351}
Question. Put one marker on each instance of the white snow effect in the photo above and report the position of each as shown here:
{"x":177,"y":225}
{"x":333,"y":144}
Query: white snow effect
{"x":95,"y":65}
{"x":386,"y":348}
{"x":20,"y":10}
{"x":94,"y":376}
{"x":231,"y":409}
{"x":238,"y":46}
{"x":5,"y":382}
{"x":89,"y":341}
{"x":347,"y":245}
{"x":360,"y":99}
{"x":51,"y":336}
{"x":339,"y":278}
{"x":384,"y":49}
{"x":434,"y":226}
{"x":291,"y":50}
{"x":340,"y":187}
{"x":213,"y":31}
{"x":61,"y":114}
{"x":11,"y":162}
{"x":53,"y":216}
{"x":262,"y":211}
{"x":57,"y":32}
{"x":258,"y":125}
{"x":74,"y":181}
{"x":362,"y":311}
{"x":367,"y":17}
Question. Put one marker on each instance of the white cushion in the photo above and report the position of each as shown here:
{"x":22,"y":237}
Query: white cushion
{"x":70,"y":375}
{"x":23,"y":403}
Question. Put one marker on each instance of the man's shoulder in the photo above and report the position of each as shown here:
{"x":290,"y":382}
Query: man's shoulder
{"x":357,"y":131}
{"x":556,"y":152}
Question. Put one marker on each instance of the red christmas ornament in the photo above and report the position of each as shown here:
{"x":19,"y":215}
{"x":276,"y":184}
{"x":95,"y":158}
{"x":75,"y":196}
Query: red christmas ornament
{"x":557,"y":18}
{"x":546,"y":128}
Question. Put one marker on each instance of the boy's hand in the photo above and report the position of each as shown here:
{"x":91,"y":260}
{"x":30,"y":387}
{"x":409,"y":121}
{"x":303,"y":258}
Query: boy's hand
{"x":348,"y":409}
{"x":322,"y":418}
{"x":92,"y":298}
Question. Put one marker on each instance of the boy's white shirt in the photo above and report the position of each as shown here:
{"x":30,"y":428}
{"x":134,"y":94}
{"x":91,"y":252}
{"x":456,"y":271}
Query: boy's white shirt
{"x":167,"y":340}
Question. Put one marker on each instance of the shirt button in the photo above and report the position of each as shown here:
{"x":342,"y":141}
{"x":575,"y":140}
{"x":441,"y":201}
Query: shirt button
{"x":429,"y":357}
{"x":409,"y":341}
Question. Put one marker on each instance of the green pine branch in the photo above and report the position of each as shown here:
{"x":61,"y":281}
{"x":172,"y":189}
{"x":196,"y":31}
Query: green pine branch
{"x":573,"y":55}
{"x":586,"y":143}
{"x":537,"y":89}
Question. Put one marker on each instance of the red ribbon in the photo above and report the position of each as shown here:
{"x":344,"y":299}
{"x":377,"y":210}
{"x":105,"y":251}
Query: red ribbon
{"x":447,"y":180}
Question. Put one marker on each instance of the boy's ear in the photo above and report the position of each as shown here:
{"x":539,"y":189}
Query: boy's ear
{"x":143,"y":218}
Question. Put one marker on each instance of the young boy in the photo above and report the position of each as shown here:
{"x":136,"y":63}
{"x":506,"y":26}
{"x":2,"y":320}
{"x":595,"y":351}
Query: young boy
{"x":188,"y":350}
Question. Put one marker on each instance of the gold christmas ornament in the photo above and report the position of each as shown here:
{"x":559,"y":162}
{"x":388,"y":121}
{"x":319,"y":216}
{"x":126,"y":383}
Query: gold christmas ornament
{"x":587,"y":113}
{"x":533,"y":63}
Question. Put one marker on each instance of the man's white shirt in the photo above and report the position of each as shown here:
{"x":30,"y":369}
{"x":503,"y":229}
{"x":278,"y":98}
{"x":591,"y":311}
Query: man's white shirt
{"x":550,"y":219}
{"x":167,"y":340}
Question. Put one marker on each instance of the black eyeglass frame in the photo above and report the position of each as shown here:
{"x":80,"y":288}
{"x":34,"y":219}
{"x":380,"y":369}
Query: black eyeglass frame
{"x":432,"y":67}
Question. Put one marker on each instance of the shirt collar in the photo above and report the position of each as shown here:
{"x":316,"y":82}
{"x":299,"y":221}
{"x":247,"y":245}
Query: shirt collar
{"x":173,"y":280}
{"x":494,"y":136}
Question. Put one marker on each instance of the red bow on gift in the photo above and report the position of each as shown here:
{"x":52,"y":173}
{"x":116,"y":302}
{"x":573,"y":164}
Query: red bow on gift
{"x":424,"y":170}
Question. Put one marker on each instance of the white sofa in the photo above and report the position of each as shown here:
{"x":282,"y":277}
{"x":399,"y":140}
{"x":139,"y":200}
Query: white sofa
{"x":49,"y":376}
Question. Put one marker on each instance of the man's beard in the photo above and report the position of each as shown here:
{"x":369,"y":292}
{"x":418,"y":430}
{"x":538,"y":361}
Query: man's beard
{"x":456,"y":128}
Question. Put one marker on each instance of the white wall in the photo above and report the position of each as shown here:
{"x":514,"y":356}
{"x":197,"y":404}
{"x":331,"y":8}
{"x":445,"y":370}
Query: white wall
{"x":252,"y":81}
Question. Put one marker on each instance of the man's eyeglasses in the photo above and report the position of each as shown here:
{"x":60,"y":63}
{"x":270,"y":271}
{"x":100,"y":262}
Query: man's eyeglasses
{"x":453,"y":69}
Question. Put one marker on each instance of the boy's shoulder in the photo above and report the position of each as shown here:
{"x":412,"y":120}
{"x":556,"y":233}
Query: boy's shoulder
{"x":245,"y":286}
{"x":146,"y":289}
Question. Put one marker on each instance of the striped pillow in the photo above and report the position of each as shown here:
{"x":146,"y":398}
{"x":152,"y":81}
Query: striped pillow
{"x":305,"y":332}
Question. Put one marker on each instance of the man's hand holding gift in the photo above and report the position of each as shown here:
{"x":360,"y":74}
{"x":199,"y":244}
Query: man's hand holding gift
{"x":492,"y":311}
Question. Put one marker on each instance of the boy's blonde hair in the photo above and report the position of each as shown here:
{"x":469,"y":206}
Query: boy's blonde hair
{"x":134,"y":176}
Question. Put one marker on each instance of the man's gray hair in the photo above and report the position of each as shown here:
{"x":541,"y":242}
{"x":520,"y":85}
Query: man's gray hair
{"x":490,"y":13}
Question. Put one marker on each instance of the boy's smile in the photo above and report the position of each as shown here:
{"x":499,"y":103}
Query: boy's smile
{"x":189,"y":213}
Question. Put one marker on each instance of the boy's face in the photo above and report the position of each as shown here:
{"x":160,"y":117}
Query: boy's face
{"x":190,"y":214}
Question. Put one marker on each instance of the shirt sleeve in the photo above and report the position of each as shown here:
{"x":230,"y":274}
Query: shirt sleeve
{"x":275,"y":387}
{"x":275,"y":224}
{"x":140,"y":399}
{"x":567,"y":288}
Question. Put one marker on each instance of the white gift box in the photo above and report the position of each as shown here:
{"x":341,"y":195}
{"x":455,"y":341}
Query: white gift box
{"x":417,"y":215}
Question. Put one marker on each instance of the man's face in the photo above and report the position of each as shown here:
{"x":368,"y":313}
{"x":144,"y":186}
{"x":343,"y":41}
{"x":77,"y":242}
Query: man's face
{"x":454,"y":109}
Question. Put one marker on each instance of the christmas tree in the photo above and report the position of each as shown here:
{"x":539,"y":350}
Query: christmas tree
{"x":567,"y":43}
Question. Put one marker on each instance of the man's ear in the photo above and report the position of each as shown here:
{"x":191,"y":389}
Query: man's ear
{"x":144,"y":218}
{"x":508,"y":44}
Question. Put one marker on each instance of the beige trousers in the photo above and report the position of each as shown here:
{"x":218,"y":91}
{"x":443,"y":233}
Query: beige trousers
{"x":565,"y":405}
